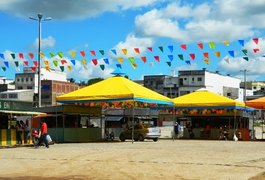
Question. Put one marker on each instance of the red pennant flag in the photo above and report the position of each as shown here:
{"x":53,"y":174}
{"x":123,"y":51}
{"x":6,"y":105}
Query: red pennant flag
{"x":206,"y":55}
{"x":93,"y":53}
{"x":83,"y":53}
{"x":157,"y":58}
{"x":137,"y":50}
{"x":34,"y":69}
{"x":95,"y":61}
{"x":63,"y":61}
{"x":256,"y":40}
{"x":26,"y":63}
{"x":21,"y":56}
{"x":184,"y":46}
{"x":31,"y":55}
{"x":192,"y":56}
{"x":143,"y":59}
{"x":35,"y":63}
{"x":150,"y":49}
{"x":256,"y":50}
{"x":200,"y":45}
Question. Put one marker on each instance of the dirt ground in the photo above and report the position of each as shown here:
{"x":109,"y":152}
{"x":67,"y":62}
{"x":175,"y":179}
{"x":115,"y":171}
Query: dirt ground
{"x":165,"y":159}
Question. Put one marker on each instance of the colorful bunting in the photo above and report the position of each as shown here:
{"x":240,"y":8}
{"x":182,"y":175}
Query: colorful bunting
{"x":157,"y":58}
{"x":2,"y":56}
{"x":134,"y":65}
{"x":42,"y":55}
{"x":245,"y":51}
{"x":207,"y":61}
{"x":143,"y":59}
{"x":256,"y":40}
{"x":192,"y":56}
{"x":118,"y":66}
{"x":62,"y":68}
{"x":150,"y":49}
{"x":124,"y":51}
{"x":21,"y":55}
{"x":83,"y":61}
{"x":206,"y":55}
{"x":131,"y":59}
{"x":26,"y":63}
{"x":95,"y":61}
{"x":256,"y":50}
{"x":102,"y":52}
{"x":4,"y":68}
{"x":246,"y":58}
{"x":200,"y":45}
{"x":93,"y":53}
{"x":226,"y":42}
{"x":188,"y":62}
{"x":137,"y":50}
{"x":55,"y":62}
{"x":6,"y":64}
{"x":161,"y":48}
{"x":114,"y":52}
{"x":170,"y":57}
{"x":46,"y":63}
{"x":51,"y":54}
{"x":60,"y":54}
{"x":227,"y":60}
{"x":212,"y":45}
{"x":13,"y":55}
{"x":73,"y":61}
{"x":72,"y":54}
{"x":34,"y":69}
{"x":63,"y":61}
{"x":16,"y":63}
{"x":120,"y":60}
{"x":217,"y":54}
{"x":170,"y":48}
{"x":106,"y":60}
{"x":35,"y":63}
{"x":231,"y":53}
{"x":183,"y":46}
{"x":69,"y":68}
{"x":241,"y":42}
{"x":83,"y":53}
{"x":180,"y":56}
{"x":102,"y":67}
{"x":168,"y":63}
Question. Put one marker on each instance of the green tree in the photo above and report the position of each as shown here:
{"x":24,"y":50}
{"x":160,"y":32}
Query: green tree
{"x":72,"y":80}
{"x":93,"y":81}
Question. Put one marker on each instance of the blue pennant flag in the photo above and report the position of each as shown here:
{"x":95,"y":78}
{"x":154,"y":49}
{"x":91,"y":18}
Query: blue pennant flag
{"x":2,"y":56}
{"x":241,"y":42}
{"x":114,"y":52}
{"x":73,"y":61}
{"x":231,"y":53}
{"x":170,"y":57}
{"x":106,"y":60}
{"x":118,"y":66}
{"x":170,"y":48}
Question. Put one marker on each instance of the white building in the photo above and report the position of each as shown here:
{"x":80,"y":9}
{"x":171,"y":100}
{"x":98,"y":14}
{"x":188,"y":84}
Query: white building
{"x":6,"y":84}
{"x":29,"y":78}
{"x":17,"y":95}
{"x":225,"y":85}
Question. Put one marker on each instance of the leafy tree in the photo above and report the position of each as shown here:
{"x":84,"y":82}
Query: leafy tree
{"x":72,"y":80}
{"x":93,"y":81}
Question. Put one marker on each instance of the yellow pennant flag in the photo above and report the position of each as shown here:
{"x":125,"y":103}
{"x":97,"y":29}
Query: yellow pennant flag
{"x":83,"y":61}
{"x":41,"y":54}
{"x":120,"y":60}
{"x":226,"y":42}
{"x":124,"y":51}
{"x":72,"y":54}
{"x":48,"y":68}
{"x":69,"y":68}
{"x":217,"y":53}
{"x":207,"y":61}
{"x":134,"y":65}
{"x":46,"y":62}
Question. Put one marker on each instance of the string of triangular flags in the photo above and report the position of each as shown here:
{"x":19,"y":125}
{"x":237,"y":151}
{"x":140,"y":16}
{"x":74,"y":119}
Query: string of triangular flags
{"x":101,"y":57}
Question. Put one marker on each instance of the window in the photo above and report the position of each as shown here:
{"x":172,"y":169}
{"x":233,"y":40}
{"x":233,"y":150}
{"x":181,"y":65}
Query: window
{"x":27,"y":79}
{"x":31,"y":79}
{"x":29,"y":87}
{"x":19,"y":87}
{"x":3,"y":96}
{"x":22,"y":79}
{"x":192,"y":79}
{"x":18,"y":79}
{"x":229,"y":94}
{"x":12,"y":96}
{"x":199,"y":79}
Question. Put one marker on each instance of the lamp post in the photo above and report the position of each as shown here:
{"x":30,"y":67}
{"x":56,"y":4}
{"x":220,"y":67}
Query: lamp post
{"x":39,"y":18}
{"x":245,"y":84}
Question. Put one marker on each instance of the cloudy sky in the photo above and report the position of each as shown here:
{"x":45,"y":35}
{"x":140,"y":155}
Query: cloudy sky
{"x":120,"y":33}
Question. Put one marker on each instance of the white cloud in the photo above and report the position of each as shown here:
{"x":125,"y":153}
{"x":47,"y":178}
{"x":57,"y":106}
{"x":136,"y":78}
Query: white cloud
{"x":48,"y":42}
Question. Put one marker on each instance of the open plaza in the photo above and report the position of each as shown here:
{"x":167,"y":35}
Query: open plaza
{"x":164,"y":159}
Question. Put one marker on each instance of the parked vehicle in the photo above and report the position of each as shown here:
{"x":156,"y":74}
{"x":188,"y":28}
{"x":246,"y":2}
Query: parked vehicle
{"x":141,"y":132}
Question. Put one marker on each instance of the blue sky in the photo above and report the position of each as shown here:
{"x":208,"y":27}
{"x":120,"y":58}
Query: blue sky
{"x":93,"y":25}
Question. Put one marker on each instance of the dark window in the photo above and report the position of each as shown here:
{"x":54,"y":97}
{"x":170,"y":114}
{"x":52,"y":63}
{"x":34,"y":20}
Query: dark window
{"x":13,"y":96}
{"x":199,"y":79}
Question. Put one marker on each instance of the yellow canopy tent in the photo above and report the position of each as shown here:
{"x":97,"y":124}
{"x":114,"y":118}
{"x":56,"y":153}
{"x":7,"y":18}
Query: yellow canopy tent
{"x":258,"y":103}
{"x":114,"y":89}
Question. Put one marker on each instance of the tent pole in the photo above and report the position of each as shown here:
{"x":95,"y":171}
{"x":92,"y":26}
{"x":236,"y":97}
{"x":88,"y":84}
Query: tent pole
{"x":132,"y":122}
{"x":174,"y":123}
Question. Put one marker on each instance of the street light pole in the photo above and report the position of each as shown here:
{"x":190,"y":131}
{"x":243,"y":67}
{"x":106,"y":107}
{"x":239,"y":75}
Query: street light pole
{"x":245,"y":84}
{"x":39,"y":19}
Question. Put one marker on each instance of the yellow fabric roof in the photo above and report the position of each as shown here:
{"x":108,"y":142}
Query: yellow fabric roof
{"x":205,"y":98}
{"x":116,"y":88}
{"x":258,"y":103}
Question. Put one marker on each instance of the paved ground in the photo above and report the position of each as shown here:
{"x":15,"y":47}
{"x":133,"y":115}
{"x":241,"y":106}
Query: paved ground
{"x":165,"y":159}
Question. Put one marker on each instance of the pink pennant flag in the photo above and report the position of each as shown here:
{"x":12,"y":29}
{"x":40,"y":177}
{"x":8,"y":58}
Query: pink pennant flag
{"x":93,"y":53}
{"x":157,"y":58}
{"x":63,"y":61}
{"x":83,"y":54}
{"x":31,"y":55}
{"x":143,"y":59}
{"x":26,"y":63}
{"x":200,"y":45}
{"x":150,"y":49}
{"x":95,"y":61}
{"x":137,"y":50}
{"x":206,"y":55}
{"x":35,"y":63}
{"x":21,"y":56}
{"x":256,"y":40}
{"x":192,"y":56}
{"x":256,"y":50}
{"x":183,"y":46}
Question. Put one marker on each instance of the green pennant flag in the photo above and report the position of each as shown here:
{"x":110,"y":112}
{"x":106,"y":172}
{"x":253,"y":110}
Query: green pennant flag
{"x":4,"y":68}
{"x":51,"y":54}
{"x":55,"y":63}
{"x":62,"y":68}
{"x":180,"y":56}
{"x":60,"y":54}
{"x":13,"y":55}
{"x":102,"y":67}
{"x":131,"y":59}
{"x":245,"y":51}
{"x":16,"y":63}
{"x":169,"y":63}
{"x":246,"y":58}
{"x":102,"y":52}
{"x":161,"y":48}
{"x":212,"y":45}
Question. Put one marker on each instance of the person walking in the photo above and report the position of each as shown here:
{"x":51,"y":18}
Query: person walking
{"x":43,"y":134}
